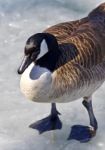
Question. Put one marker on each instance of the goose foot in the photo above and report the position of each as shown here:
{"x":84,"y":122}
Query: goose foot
{"x":81,"y":133}
{"x":52,"y":122}
{"x":85,"y":133}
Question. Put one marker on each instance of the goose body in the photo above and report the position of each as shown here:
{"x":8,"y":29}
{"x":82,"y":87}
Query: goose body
{"x":80,"y":68}
{"x":64,"y":63}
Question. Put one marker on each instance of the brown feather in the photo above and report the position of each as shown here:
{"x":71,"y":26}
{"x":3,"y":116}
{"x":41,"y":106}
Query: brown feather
{"x":82,"y":44}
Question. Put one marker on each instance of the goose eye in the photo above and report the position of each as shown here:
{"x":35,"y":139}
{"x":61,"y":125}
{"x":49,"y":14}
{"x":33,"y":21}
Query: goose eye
{"x":28,"y":51}
{"x":34,"y":55}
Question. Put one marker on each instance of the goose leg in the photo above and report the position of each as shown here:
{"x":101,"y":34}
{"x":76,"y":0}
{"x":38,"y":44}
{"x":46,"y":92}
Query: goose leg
{"x":52,"y":122}
{"x":84,"y":133}
{"x":87,"y":102}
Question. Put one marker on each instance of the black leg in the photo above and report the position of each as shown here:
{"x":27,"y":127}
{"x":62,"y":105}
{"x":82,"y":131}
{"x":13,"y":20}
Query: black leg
{"x":93,"y":121}
{"x":85,"y":133}
{"x":52,"y":122}
{"x":54,"y":111}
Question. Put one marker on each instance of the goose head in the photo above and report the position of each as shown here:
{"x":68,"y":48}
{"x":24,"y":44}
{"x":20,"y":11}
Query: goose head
{"x":39,"y":49}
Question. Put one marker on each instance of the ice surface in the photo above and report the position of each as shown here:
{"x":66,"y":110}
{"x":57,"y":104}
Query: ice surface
{"x":18,"y":20}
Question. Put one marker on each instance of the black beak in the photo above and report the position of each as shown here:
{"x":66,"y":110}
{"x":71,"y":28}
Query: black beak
{"x":25,"y":63}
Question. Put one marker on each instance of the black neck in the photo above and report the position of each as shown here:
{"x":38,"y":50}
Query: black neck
{"x":50,"y":60}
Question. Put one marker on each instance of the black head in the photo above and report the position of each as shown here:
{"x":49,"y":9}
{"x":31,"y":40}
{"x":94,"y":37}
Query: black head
{"x":38,"y":46}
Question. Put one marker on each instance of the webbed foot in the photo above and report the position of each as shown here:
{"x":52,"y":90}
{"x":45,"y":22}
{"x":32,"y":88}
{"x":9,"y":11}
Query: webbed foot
{"x":85,"y":133}
{"x":52,"y":122}
{"x":81,"y":133}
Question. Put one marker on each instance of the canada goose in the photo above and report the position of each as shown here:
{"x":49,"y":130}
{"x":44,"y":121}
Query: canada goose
{"x":64,"y":63}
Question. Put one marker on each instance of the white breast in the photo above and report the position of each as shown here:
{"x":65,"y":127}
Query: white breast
{"x":36,"y":82}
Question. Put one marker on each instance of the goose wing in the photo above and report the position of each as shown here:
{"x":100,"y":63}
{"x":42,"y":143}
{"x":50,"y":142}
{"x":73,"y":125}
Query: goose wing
{"x":82,"y":63}
{"x":89,"y":44}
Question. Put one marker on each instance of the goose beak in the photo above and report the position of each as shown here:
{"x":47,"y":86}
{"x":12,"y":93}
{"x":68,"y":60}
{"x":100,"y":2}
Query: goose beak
{"x":25,"y":63}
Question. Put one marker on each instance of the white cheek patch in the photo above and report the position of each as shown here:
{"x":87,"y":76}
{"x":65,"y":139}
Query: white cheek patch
{"x":43,"y":49}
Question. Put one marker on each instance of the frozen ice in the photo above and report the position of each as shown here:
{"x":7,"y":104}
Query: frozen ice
{"x":18,"y":20}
